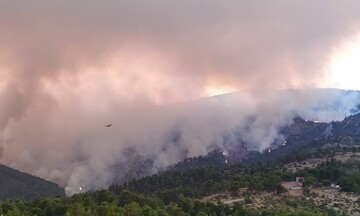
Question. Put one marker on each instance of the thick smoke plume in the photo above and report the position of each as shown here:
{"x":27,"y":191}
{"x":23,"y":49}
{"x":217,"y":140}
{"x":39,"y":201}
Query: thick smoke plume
{"x":68,"y":68}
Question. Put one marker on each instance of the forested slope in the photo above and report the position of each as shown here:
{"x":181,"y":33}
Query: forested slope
{"x":15,"y":185}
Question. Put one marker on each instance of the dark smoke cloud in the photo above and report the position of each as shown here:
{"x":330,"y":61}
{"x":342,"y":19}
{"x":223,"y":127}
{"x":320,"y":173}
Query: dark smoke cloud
{"x":69,"y":67}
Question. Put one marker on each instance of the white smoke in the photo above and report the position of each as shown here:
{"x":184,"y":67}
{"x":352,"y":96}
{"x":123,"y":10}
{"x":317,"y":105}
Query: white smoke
{"x":68,"y":68}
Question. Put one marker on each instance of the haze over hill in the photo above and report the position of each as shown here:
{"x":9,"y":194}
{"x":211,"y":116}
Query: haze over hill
{"x":141,"y":143}
{"x":68,"y":68}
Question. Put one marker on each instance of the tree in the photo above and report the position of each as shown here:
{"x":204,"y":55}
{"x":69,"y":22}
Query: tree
{"x":238,"y":209}
{"x":326,"y":183}
{"x":309,"y":180}
{"x":272,"y":182}
{"x":14,"y":212}
{"x":133,"y":209}
{"x":234,"y":187}
{"x":255,"y":184}
{"x":148,"y":211}
{"x":105,"y":196}
{"x":176,"y":211}
{"x":241,"y":179}
{"x":76,"y":209}
{"x":184,"y":203}
{"x":348,"y":183}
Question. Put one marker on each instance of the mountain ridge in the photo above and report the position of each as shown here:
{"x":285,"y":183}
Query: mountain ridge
{"x":15,"y":185}
{"x":299,"y":134}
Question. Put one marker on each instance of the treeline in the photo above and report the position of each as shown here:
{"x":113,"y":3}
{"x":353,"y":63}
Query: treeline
{"x":201,"y":182}
{"x":346,"y":175}
{"x":315,"y":150}
{"x":169,"y":193}
{"x":15,"y":185}
{"x":180,"y":192}
{"x":332,"y":171}
{"x":106,"y":203}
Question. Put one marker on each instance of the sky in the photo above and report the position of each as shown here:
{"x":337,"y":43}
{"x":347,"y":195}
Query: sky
{"x":69,"y":67}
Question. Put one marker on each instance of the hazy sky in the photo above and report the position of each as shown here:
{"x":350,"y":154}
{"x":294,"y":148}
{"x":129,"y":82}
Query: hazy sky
{"x":170,"y":50}
{"x":69,"y":67}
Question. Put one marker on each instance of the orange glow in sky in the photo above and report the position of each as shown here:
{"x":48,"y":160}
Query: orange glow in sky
{"x":214,"y":90}
{"x":343,"y":70}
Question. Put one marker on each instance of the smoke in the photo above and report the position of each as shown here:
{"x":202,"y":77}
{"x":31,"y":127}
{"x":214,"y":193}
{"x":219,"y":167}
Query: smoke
{"x":1,"y":152}
{"x":68,"y":68}
{"x":70,"y":145}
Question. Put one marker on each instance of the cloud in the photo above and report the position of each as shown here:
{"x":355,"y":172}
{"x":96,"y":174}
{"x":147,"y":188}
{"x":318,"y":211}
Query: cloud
{"x":67,"y":68}
{"x":203,"y":43}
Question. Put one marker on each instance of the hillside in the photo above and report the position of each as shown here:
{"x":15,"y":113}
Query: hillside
{"x":299,"y":135}
{"x":258,"y":189}
{"x":231,"y":132}
{"x":270,"y":185}
{"x":327,"y":155}
{"x":17,"y":185}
